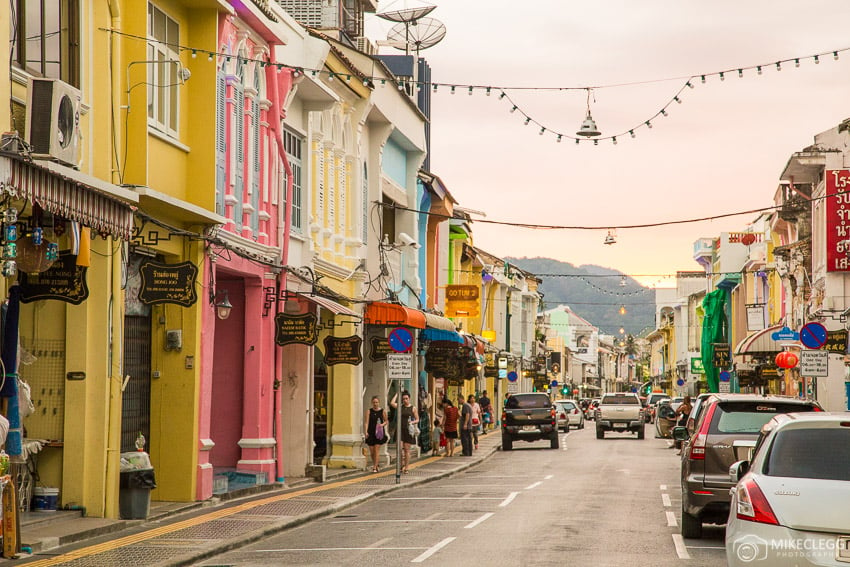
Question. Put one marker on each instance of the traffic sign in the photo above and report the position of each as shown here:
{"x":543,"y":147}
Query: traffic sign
{"x":512,"y":376}
{"x":785,"y":334}
{"x":399,"y":366}
{"x":400,"y":339}
{"x":554,"y":383}
{"x":813,"y":335}
{"x":814,"y":364}
{"x":680,"y":382}
{"x":725,"y":376}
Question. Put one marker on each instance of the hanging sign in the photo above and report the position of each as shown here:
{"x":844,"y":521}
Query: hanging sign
{"x":295,"y":329}
{"x":696,"y":366}
{"x":837,"y":199}
{"x":343,"y":350}
{"x":462,"y":300}
{"x":721,"y":355}
{"x":785,"y":334}
{"x":379,"y":348}
{"x":168,"y":283}
{"x":399,"y":366}
{"x":836,"y":341}
{"x":755,"y":317}
{"x":814,"y":363}
{"x":63,"y":281}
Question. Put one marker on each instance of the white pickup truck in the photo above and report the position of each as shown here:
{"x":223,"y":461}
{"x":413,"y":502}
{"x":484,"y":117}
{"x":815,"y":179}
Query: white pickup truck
{"x":621,"y":411}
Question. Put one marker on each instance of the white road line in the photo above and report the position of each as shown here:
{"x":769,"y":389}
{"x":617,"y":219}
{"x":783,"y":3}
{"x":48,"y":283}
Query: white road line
{"x":671,"y":519}
{"x":663,"y":487}
{"x":665,"y":499}
{"x":444,"y":498}
{"x":431,"y":551}
{"x":548,"y":477}
{"x":474,"y":523}
{"x":509,"y":499}
{"x":340,"y":549}
{"x":388,"y":521}
{"x":380,"y":542}
{"x":533,"y":486}
{"x":679,"y":543}
{"x":705,"y":546}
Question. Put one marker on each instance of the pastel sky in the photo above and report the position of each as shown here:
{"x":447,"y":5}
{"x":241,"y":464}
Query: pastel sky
{"x":720,"y":151}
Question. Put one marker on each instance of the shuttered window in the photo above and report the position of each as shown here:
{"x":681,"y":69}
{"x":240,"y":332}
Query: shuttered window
{"x":292,"y":144}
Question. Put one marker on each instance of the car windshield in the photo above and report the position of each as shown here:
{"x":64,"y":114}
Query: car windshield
{"x":566,"y":405}
{"x":621,"y":400}
{"x":749,"y":417}
{"x":527,"y":401}
{"x":810,"y":453}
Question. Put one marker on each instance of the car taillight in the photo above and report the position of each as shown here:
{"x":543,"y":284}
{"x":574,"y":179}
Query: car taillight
{"x":563,"y":416}
{"x":552,"y":414}
{"x":697,"y":448}
{"x":752,"y":505}
{"x":504,"y":419}
{"x":816,"y":408}
{"x":575,"y":412}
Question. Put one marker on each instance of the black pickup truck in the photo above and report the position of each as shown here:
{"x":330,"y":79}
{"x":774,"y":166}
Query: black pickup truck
{"x":528,"y":417}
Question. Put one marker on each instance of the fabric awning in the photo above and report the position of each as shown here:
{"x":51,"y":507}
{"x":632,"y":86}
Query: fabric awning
{"x":430,"y":334}
{"x":329,"y":304}
{"x":93,"y":202}
{"x":762,"y":342}
{"x":439,"y":322}
{"x":393,"y":315}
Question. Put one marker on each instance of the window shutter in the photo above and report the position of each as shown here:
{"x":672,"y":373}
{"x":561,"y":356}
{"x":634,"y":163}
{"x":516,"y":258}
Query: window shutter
{"x":364,"y":205}
{"x":239,"y":185}
{"x":332,"y":189}
{"x":255,"y":178}
{"x":220,"y":141}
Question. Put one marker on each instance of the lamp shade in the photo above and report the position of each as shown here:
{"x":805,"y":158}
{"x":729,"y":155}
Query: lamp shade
{"x":32,"y":258}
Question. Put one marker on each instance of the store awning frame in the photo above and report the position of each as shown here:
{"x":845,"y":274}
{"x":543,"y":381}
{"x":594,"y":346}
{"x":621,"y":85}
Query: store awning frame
{"x":433,"y":321}
{"x":393,"y":315}
{"x":329,"y":304}
{"x":761,"y":342}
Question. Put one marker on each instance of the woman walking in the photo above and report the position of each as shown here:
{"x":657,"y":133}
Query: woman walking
{"x":450,"y":416}
{"x":409,"y":425}
{"x":476,"y":418}
{"x":375,"y":425}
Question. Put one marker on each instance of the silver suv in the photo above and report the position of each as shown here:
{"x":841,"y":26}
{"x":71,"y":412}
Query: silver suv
{"x":727,"y":429}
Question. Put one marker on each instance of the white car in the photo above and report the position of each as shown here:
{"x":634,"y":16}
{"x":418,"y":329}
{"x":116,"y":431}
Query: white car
{"x":568,"y":414}
{"x":791,"y":506}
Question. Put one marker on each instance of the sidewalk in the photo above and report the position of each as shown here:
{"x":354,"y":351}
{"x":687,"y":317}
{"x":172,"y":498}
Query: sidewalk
{"x":187,"y":532}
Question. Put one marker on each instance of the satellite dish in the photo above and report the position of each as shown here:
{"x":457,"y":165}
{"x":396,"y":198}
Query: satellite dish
{"x":421,"y":34}
{"x":407,"y":14}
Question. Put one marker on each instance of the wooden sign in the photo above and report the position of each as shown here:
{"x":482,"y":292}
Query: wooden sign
{"x":462,"y":300}
{"x":64,"y":281}
{"x":295,"y":329}
{"x":721,"y":355}
{"x":343,"y":350}
{"x":379,"y":348}
{"x":836,"y":341}
{"x":168,"y":283}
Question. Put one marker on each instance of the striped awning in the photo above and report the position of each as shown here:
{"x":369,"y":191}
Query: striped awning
{"x":103,"y":206}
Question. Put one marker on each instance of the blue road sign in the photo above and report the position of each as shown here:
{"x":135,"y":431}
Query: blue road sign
{"x":725,"y":376}
{"x":785,"y":334}
{"x":680,"y":382}
{"x":554,"y":383}
{"x":813,"y":335}
{"x":512,"y":376}
{"x":400,"y":339}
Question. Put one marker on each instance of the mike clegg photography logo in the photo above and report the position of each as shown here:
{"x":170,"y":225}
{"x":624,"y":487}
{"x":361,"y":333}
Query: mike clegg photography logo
{"x":752,"y":549}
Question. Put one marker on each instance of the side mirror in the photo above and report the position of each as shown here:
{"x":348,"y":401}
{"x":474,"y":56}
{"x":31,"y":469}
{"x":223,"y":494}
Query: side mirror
{"x":737,"y":470}
{"x":680,"y":433}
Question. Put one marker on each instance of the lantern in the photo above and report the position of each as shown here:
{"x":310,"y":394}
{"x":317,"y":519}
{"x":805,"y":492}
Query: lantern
{"x":748,"y":239}
{"x":787,"y":359}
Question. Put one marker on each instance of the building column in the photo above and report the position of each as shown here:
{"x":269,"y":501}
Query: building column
{"x":345,"y":414}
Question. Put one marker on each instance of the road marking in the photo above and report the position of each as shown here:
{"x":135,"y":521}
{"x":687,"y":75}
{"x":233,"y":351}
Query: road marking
{"x":533,"y":486}
{"x":447,"y":498}
{"x":548,"y":477}
{"x":671,"y":519}
{"x":339,"y":549}
{"x":679,"y":544}
{"x":665,"y":499}
{"x":474,"y":523}
{"x":388,"y":521}
{"x":431,"y":551}
{"x":509,"y":499}
{"x":663,"y":487}
{"x":706,"y":546}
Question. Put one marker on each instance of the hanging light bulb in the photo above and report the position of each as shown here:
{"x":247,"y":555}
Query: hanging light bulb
{"x":435,"y":87}
{"x":779,"y":65}
{"x":622,"y":310}
{"x":817,"y":59}
{"x":632,"y":133}
{"x":614,"y":139}
{"x":527,"y":120}
{"x":835,"y":55}
{"x":677,"y":99}
{"x":542,"y":131}
{"x":453,"y":89}
{"x":721,"y":76}
{"x":663,"y":112}
{"x":487,"y":92}
{"x":470,"y":91}
{"x":796,"y":62}
{"x":513,"y":109}
{"x":559,"y":138}
{"x":702,"y":78}
{"x":690,"y":85}
{"x":758,"y":69}
{"x":623,"y":281}
{"x":740,"y":73}
{"x":588,"y":128}
{"x":648,"y":124}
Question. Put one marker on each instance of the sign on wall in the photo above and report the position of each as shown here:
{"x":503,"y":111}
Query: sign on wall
{"x":721,"y":355}
{"x":343,"y":350}
{"x":295,"y":329}
{"x":168,"y":283}
{"x":462,"y":300}
{"x":837,"y":220}
{"x":64,"y":280}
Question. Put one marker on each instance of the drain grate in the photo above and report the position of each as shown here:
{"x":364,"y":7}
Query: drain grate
{"x":216,"y":529}
{"x":292,"y":507}
{"x":129,"y":555}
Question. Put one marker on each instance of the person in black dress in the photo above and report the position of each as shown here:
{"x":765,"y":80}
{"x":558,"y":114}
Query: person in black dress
{"x":409,"y":415}
{"x":375,"y":415}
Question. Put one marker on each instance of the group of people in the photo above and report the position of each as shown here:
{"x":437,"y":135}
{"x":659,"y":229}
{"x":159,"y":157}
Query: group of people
{"x":471,"y":418}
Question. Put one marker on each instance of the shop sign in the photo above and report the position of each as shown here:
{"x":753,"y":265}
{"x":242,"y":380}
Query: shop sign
{"x":63,"y":281}
{"x":836,"y":341}
{"x":721,"y":355}
{"x":696,"y":366}
{"x":295,"y":329}
{"x":462,"y":300}
{"x":443,"y":360}
{"x":837,"y":220}
{"x":168,"y":283}
{"x":343,"y":350}
{"x":755,"y":317}
{"x":379,"y":348}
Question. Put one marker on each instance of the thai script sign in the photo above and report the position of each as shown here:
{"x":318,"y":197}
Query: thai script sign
{"x":64,"y":281}
{"x":837,"y":220}
{"x":295,"y":329}
{"x":168,"y":283}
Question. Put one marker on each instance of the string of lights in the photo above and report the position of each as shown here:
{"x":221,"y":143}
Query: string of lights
{"x":371,"y":81}
{"x":615,"y":293}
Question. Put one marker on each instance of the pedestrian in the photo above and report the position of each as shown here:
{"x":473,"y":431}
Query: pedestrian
{"x":682,"y":413}
{"x":450,"y":415}
{"x":409,"y":427}
{"x":437,"y":438}
{"x":486,"y":412}
{"x":465,"y":427}
{"x":375,"y":425}
{"x":475,"y":419}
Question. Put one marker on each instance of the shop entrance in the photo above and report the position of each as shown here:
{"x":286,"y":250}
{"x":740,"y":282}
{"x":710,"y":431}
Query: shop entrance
{"x":320,"y":407}
{"x":136,"y":398}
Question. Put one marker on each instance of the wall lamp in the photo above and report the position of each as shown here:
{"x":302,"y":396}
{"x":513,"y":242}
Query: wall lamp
{"x":180,"y":76}
{"x":221,"y":302}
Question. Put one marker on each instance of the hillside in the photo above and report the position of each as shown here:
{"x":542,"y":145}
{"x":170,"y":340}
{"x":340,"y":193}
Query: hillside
{"x":595,"y":293}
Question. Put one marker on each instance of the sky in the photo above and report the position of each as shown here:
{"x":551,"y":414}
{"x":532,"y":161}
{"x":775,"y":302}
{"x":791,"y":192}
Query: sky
{"x":721,"y":150}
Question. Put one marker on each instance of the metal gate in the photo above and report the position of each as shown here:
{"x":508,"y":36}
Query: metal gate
{"x":136,"y":399}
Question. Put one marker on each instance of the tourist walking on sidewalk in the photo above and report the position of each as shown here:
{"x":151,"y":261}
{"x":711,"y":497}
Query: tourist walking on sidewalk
{"x":375,"y":425}
{"x":476,"y":419}
{"x":409,"y":427}
{"x":450,"y":414}
{"x":486,"y":412}
{"x":465,"y":427}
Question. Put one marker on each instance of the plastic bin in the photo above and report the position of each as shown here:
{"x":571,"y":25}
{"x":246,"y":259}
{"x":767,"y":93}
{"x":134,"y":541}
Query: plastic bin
{"x":45,"y":499}
{"x":134,"y":496}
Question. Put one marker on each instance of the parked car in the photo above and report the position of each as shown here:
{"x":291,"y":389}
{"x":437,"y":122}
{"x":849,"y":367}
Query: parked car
{"x":569,"y":414}
{"x":795,"y":489}
{"x":697,"y":405}
{"x":664,"y":419}
{"x":590,"y":412}
{"x":529,"y":417}
{"x":652,"y":410}
{"x":727,"y":429}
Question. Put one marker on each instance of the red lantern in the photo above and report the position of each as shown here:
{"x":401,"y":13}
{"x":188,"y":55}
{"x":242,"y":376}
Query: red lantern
{"x":748,"y":239}
{"x":787,"y":359}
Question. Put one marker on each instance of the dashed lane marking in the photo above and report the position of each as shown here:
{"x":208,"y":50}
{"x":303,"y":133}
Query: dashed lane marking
{"x":679,"y":544}
{"x":474,"y":523}
{"x":434,"y":549}
{"x":671,"y":519}
{"x":663,"y":487}
{"x":509,"y":499}
{"x":665,"y":499}
{"x":533,"y":486}
{"x":548,"y":477}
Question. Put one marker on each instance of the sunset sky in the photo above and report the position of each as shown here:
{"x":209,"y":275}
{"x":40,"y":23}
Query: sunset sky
{"x":720,"y":151}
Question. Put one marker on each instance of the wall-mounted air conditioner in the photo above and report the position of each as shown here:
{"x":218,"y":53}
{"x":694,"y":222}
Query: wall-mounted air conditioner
{"x":53,"y":121}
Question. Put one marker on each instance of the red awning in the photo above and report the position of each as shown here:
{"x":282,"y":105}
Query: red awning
{"x":393,"y":315}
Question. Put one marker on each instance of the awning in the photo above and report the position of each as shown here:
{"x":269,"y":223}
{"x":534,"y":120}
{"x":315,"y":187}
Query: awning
{"x":93,"y":202}
{"x":439,"y":322}
{"x":329,"y":304}
{"x":763,"y":342}
{"x":393,"y":315}
{"x":430,"y":334}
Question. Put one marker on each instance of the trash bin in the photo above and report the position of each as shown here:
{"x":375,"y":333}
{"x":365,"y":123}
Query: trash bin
{"x":134,"y":496}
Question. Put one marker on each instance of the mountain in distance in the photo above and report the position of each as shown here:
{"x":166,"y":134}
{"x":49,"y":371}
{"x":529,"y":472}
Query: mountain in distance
{"x":595,"y":293}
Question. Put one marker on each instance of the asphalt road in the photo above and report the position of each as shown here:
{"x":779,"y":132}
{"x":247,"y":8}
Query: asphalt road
{"x":613,"y":502}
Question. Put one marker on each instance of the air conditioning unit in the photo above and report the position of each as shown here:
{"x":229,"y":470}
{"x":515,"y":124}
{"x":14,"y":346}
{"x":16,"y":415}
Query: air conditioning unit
{"x":53,"y":121}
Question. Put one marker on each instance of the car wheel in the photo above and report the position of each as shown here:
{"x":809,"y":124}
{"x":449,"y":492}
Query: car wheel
{"x":581,"y":424}
{"x":600,"y":434}
{"x":507,"y":443}
{"x":640,"y":433}
{"x":553,"y":441}
{"x":691,"y":526}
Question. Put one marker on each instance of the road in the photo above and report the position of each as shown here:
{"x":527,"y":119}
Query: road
{"x":610,"y":502}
